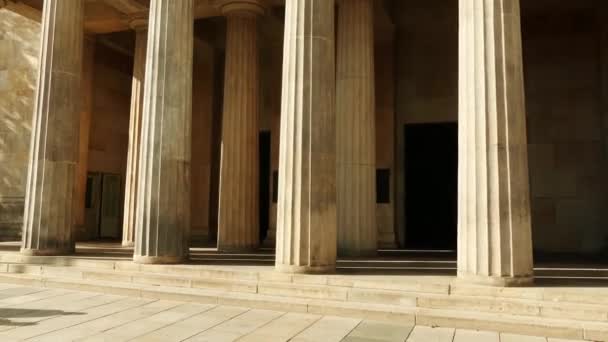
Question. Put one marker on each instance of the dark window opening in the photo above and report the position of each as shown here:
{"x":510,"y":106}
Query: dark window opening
{"x":383,"y":181}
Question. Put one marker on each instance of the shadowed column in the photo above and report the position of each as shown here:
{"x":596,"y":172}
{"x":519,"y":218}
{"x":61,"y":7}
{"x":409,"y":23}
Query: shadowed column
{"x":306,"y":220}
{"x":356,"y":129}
{"x":494,"y":234}
{"x":238,"y":226}
{"x":48,"y":218}
{"x":163,"y":199}
{"x":140,"y":25}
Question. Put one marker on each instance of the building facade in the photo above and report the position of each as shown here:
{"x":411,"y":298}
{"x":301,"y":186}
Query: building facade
{"x":322,"y":128}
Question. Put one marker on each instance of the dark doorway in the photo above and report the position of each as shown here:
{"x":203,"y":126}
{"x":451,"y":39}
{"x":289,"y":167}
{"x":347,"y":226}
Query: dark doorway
{"x":264,"y":184}
{"x":431,"y":176}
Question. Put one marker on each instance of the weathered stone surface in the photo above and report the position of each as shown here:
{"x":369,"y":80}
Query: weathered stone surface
{"x":238,"y":225}
{"x":494,"y":229}
{"x":356,"y":129}
{"x":19,"y":49}
{"x":163,"y":210}
{"x":54,"y":152}
{"x":306,"y":224}
{"x":137,"y":104}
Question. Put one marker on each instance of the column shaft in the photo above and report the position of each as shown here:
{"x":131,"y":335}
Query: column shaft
{"x":306,"y":220}
{"x":163,"y":198}
{"x":239,"y":179}
{"x":356,"y":129}
{"x":48,"y":219}
{"x":137,"y":102}
{"x":494,"y":234}
{"x":88,"y":66}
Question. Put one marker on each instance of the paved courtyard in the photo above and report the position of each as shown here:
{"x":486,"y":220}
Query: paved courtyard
{"x":40,"y":314}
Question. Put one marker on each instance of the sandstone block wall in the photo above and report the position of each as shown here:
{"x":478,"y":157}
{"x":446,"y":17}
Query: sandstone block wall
{"x":19,"y":40}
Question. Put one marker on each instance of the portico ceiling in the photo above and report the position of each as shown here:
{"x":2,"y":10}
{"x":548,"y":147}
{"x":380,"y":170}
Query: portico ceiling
{"x":106,"y":16}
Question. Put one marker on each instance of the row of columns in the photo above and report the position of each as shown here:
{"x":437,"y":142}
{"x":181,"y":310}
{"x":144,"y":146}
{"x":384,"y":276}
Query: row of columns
{"x":327,"y":137}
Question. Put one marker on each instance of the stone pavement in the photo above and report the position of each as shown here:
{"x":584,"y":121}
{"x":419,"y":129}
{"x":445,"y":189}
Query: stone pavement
{"x":40,"y":314}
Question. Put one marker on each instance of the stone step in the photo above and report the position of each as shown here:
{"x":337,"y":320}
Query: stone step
{"x":508,"y":323}
{"x":306,"y":287}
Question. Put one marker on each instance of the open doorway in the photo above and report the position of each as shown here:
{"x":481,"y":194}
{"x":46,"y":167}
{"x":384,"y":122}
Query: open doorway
{"x":431,"y":167}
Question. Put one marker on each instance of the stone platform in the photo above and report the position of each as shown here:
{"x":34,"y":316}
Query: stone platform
{"x":400,"y":287}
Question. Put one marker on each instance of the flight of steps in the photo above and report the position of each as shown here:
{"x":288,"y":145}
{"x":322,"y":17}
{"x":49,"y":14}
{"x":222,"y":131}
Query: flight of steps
{"x":570,"y":313}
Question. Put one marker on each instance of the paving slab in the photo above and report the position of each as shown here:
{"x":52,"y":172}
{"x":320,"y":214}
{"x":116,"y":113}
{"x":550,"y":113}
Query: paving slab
{"x":153,"y":322}
{"x":428,"y":334}
{"x":328,"y":329}
{"x":465,"y":335}
{"x":42,"y":329}
{"x":520,"y":338}
{"x":282,"y":328}
{"x":192,"y":326}
{"x":96,"y":326}
{"x":374,"y":331}
{"x":238,"y":326}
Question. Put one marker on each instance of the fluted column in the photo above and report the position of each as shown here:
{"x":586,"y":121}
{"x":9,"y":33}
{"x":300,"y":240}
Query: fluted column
{"x":306,"y":220}
{"x":163,"y":199}
{"x":238,"y":226}
{"x":356,"y":129}
{"x":494,"y":235}
{"x":48,"y":219}
{"x":140,"y":25}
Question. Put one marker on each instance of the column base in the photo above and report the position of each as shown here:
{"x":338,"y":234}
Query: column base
{"x":47,"y":252}
{"x":305,"y":269}
{"x":128,"y":243}
{"x":144,"y":259}
{"x":474,"y":279}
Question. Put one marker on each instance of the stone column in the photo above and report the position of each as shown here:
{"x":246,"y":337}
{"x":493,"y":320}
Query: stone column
{"x":494,"y":235}
{"x":48,"y":218}
{"x":140,"y":25}
{"x":79,"y":200}
{"x":163,"y":199}
{"x":238,"y":226}
{"x":306,"y":220}
{"x":356,"y":129}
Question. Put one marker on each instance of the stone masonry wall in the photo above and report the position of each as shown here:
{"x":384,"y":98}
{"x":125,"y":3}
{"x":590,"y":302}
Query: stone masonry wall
{"x":19,"y":40}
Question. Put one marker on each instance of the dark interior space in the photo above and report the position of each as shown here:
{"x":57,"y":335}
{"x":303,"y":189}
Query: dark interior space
{"x":264,"y":183}
{"x":431,"y":167}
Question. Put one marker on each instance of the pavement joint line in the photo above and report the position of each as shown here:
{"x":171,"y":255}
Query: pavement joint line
{"x":137,"y":320}
{"x":103,"y":316}
{"x":220,"y":323}
{"x":176,"y":322}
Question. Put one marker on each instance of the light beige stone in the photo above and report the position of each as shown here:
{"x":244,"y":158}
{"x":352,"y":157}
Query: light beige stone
{"x":494,"y":229}
{"x":137,"y":103}
{"x":48,"y":218}
{"x":306,"y":223}
{"x":430,"y":334}
{"x":163,"y":210}
{"x":238,"y":225}
{"x":356,"y":129}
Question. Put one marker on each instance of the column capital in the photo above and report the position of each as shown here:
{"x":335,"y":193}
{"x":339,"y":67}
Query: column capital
{"x":241,"y":7}
{"x":138,"y":21}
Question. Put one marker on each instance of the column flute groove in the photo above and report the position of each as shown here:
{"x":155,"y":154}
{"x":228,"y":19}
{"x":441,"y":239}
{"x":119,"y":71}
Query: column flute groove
{"x":163,"y":199}
{"x":356,"y":129}
{"x":494,"y":229}
{"x":54,"y":151}
{"x":306,"y":220}
{"x":140,"y":25}
{"x":238,"y":225}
